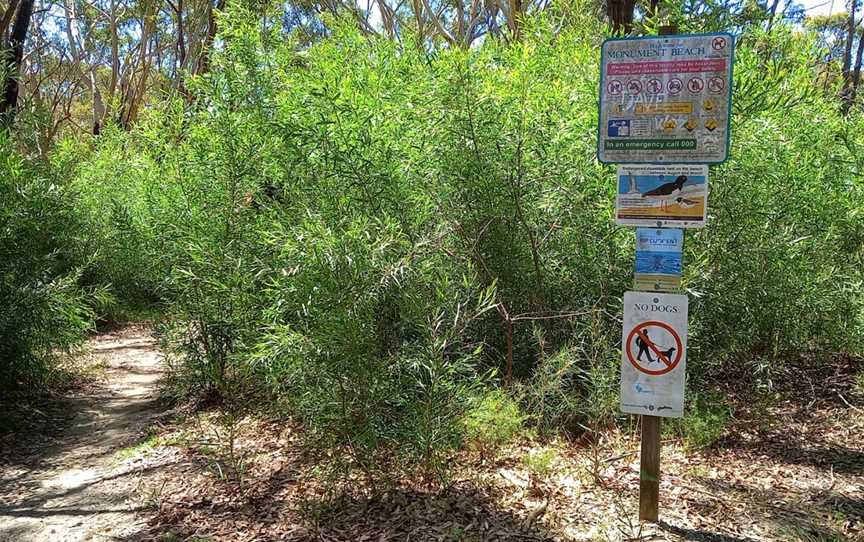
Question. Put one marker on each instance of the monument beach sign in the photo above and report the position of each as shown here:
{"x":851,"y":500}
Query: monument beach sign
{"x":666,"y":99}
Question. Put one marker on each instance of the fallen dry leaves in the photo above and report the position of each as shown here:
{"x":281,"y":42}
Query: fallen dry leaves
{"x":791,"y":472}
{"x":791,"y":475}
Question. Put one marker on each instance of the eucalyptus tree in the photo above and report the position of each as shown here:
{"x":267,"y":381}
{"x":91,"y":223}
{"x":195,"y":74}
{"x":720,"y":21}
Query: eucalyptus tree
{"x":12,"y":55}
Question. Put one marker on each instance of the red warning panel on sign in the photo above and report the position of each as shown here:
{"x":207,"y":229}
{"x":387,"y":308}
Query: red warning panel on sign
{"x":675,"y":66}
{"x":654,"y":351}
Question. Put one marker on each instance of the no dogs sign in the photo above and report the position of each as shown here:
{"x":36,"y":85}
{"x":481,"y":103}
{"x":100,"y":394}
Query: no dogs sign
{"x":654,"y":353}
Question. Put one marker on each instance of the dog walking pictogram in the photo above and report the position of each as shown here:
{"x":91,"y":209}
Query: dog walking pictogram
{"x":643,"y":348}
{"x":654,"y":348}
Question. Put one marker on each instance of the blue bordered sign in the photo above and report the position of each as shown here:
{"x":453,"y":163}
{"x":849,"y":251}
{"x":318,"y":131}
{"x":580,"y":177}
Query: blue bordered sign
{"x":658,"y":259}
{"x":662,"y":196}
{"x":666,"y":99}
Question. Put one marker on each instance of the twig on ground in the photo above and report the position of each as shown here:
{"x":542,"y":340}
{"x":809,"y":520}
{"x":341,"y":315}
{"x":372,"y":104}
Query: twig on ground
{"x":615,"y":458}
{"x":536,"y":514}
{"x":847,"y":402}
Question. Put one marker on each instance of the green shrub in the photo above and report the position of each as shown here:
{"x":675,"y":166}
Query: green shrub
{"x":44,"y":310}
{"x":539,"y":464}
{"x":493,"y":420}
{"x":114,"y":199}
{"x":576,"y":388}
{"x":777,"y":272}
{"x":705,"y":421}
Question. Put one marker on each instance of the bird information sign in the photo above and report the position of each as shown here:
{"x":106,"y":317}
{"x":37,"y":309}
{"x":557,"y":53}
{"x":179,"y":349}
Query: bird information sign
{"x":654,"y":354}
{"x":658,"y":259}
{"x":662,"y":196}
{"x":665,"y":99}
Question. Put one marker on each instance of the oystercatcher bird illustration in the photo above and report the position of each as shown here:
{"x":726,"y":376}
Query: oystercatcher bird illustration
{"x":667,"y":191}
{"x":685,"y":203}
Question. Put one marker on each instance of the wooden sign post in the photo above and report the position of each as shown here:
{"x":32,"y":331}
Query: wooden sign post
{"x":664,"y":116}
{"x":649,"y":469}
{"x":649,"y":459}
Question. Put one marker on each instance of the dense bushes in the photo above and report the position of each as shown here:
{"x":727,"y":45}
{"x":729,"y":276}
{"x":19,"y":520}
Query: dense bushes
{"x":778,"y":272}
{"x":45,"y":309}
{"x":376,"y":237}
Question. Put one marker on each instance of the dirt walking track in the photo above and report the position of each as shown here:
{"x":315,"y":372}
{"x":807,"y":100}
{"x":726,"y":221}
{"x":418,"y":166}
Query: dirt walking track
{"x":72,"y":487}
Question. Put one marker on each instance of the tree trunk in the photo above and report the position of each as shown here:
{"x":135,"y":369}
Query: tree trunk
{"x":12,"y":56}
{"x":459,"y":29}
{"x":181,"y":39}
{"x":856,"y":73}
{"x":620,"y":14}
{"x":514,"y":19}
{"x":418,"y":17}
{"x":134,"y":84}
{"x":75,"y":48}
{"x":6,"y":20}
{"x":850,"y":37}
{"x":846,"y":91}
{"x":772,"y":14}
{"x":180,"y":64}
{"x":98,"y":104}
{"x":204,"y":59}
{"x":115,"y":52}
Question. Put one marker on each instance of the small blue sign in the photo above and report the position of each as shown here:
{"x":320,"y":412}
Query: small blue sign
{"x":658,"y":259}
{"x":618,"y":128}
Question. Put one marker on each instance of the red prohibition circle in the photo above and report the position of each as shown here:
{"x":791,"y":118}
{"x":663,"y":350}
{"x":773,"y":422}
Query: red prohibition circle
{"x":678,"y":348}
{"x":695,"y":84}
{"x":716,"y":84}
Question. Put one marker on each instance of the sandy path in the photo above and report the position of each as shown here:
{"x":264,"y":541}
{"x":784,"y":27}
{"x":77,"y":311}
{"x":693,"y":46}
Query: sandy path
{"x":75,"y":488}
